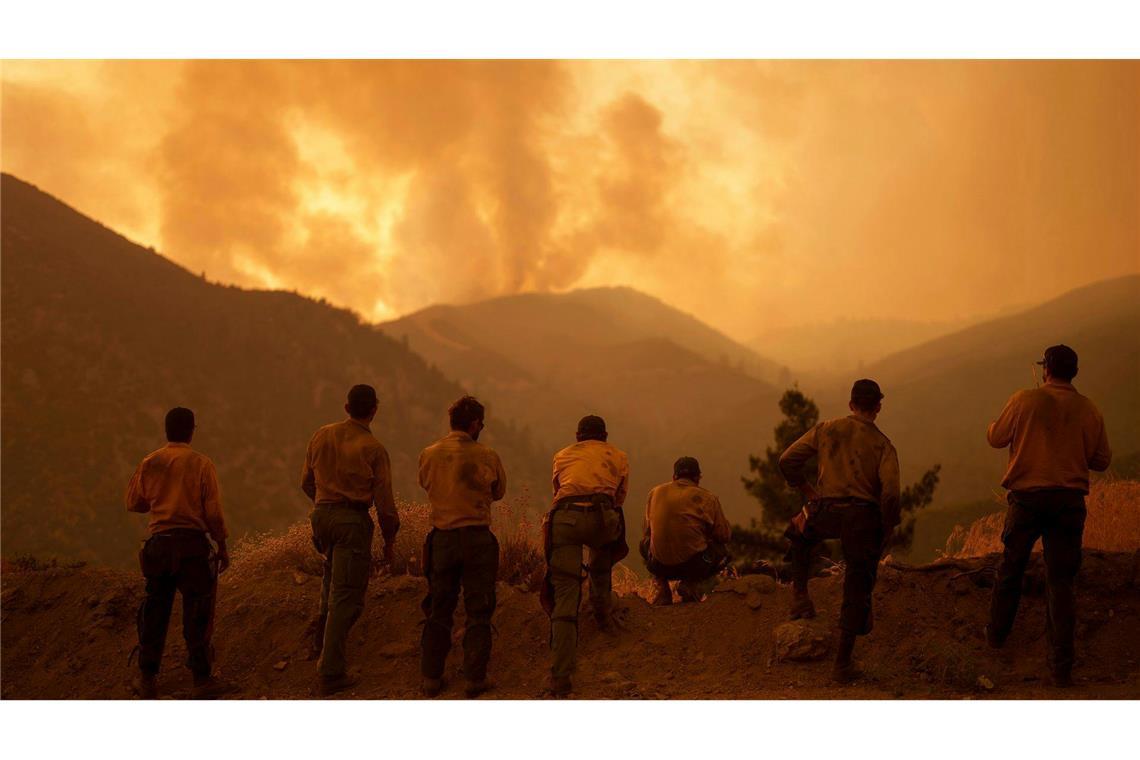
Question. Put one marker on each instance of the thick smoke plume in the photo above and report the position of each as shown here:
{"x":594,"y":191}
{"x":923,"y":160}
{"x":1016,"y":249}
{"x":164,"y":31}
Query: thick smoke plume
{"x":754,"y":194}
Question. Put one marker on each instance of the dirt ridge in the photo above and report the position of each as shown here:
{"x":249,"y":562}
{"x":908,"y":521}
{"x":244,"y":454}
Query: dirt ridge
{"x":69,"y":633}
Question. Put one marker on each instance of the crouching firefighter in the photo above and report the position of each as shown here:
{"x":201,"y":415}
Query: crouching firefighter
{"x":685,"y":535}
{"x":462,"y":478}
{"x":178,"y":488}
{"x":591,"y":479}
{"x":855,"y":500}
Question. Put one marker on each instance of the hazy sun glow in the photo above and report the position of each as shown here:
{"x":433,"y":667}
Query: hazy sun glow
{"x":753,"y":194}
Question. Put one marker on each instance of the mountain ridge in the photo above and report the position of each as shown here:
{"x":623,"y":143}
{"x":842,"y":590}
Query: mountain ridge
{"x":102,"y":336}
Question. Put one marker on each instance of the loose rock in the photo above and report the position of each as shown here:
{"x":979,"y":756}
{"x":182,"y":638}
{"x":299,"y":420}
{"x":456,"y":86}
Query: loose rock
{"x":800,"y":641}
{"x":398,"y":649}
{"x":748,"y":584}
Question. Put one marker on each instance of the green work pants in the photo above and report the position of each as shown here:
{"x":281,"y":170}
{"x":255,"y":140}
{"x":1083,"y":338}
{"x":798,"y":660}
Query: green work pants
{"x":466,"y":558}
{"x":570,"y":530}
{"x":344,"y":536}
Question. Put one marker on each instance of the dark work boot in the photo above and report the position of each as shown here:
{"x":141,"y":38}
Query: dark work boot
{"x":146,"y":686}
{"x":431,"y":687}
{"x":661,"y":595}
{"x":992,"y":639}
{"x":212,"y":688}
{"x":560,"y":687}
{"x":802,"y":606}
{"x":329,"y":685}
{"x":1062,"y":678}
{"x":475,"y":688}
{"x":845,"y":673}
{"x":845,"y":669}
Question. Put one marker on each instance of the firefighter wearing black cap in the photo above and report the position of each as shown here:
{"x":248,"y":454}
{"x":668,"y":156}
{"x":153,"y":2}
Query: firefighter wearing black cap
{"x":856,"y":500}
{"x":1055,"y":436}
{"x":591,"y":480}
{"x":346,"y":472}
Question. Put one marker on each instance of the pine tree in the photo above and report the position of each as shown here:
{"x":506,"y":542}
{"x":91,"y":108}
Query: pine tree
{"x":778,"y":502}
{"x":763,"y":539}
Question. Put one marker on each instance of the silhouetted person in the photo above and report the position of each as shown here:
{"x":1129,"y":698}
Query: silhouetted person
{"x":1055,"y":436}
{"x":462,"y":478}
{"x":856,"y":500}
{"x":178,"y":488}
{"x":685,"y":535}
{"x":347,"y":471}
{"x":591,"y":480}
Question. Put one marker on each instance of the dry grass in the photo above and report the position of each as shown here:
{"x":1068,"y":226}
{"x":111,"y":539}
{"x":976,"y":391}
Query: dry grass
{"x":1113,"y":523}
{"x":521,"y":562}
{"x":947,"y":663}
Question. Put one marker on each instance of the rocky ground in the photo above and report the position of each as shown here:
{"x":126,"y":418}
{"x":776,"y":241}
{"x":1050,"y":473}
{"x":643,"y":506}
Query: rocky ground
{"x":69,"y":633}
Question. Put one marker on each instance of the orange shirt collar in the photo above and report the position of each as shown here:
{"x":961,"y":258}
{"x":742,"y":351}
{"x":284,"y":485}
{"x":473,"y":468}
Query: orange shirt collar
{"x":364,"y":425}
{"x":460,"y":434}
{"x":177,"y":445}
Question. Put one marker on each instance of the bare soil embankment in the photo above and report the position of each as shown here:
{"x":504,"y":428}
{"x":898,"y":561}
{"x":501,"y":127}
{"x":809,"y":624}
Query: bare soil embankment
{"x":1111,"y":525}
{"x":68,"y":633}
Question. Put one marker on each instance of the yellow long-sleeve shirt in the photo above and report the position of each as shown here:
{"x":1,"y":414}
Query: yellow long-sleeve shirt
{"x":681,"y":518}
{"x":462,"y":478}
{"x":1055,"y":436}
{"x":345,"y":462}
{"x":856,"y":461}
{"x":590,"y":467}
{"x":178,"y":488}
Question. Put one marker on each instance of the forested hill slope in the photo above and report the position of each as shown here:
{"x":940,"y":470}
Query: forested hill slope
{"x":102,"y":336}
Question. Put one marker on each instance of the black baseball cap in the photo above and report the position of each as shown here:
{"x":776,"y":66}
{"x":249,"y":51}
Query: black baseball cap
{"x":1060,"y":360}
{"x":591,"y":424}
{"x":866,"y":391}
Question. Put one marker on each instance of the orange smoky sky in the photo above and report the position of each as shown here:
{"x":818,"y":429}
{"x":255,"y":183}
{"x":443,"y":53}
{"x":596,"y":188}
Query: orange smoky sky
{"x":752,"y":194}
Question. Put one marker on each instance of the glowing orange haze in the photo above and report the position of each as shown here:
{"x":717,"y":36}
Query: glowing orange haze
{"x":751,"y":194}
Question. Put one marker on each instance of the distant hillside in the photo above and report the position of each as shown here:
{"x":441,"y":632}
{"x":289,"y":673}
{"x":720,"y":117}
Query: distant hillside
{"x":844,"y":346}
{"x":547,"y":327}
{"x":667,"y":384}
{"x":941,"y":395}
{"x":101,"y":337}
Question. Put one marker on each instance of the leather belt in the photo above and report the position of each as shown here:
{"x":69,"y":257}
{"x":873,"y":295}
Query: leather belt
{"x":361,"y":506}
{"x":586,"y":502}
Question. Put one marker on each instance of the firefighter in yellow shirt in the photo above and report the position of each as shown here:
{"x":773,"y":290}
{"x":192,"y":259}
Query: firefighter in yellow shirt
{"x":178,"y":488}
{"x":346,"y":471}
{"x":1055,"y":436}
{"x":590,"y":480}
{"x":462,"y":478}
{"x":856,"y":500}
{"x":685,"y":535}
